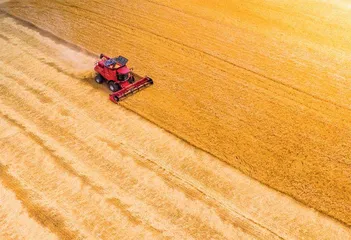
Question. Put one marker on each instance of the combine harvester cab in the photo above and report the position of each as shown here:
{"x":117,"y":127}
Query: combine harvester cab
{"x":119,"y":77}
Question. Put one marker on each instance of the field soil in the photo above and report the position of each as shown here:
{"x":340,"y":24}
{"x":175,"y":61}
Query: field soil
{"x":258,"y":89}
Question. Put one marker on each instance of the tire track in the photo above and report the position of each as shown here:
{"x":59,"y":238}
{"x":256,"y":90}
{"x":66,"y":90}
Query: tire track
{"x":59,"y":160}
{"x":238,"y":219}
{"x":129,"y":215}
{"x":15,"y":222}
{"x":83,"y":178}
{"x":48,"y":179}
{"x":43,"y":216}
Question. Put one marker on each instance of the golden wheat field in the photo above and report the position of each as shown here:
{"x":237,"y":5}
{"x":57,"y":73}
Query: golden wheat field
{"x":246,"y":133}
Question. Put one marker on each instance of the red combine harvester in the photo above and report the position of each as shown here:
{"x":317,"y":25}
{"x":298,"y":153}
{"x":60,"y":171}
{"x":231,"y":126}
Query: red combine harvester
{"x":120,"y":79}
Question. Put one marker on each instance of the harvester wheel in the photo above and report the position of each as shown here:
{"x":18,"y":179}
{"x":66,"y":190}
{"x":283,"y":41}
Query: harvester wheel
{"x":114,"y":87}
{"x":99,"y":79}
